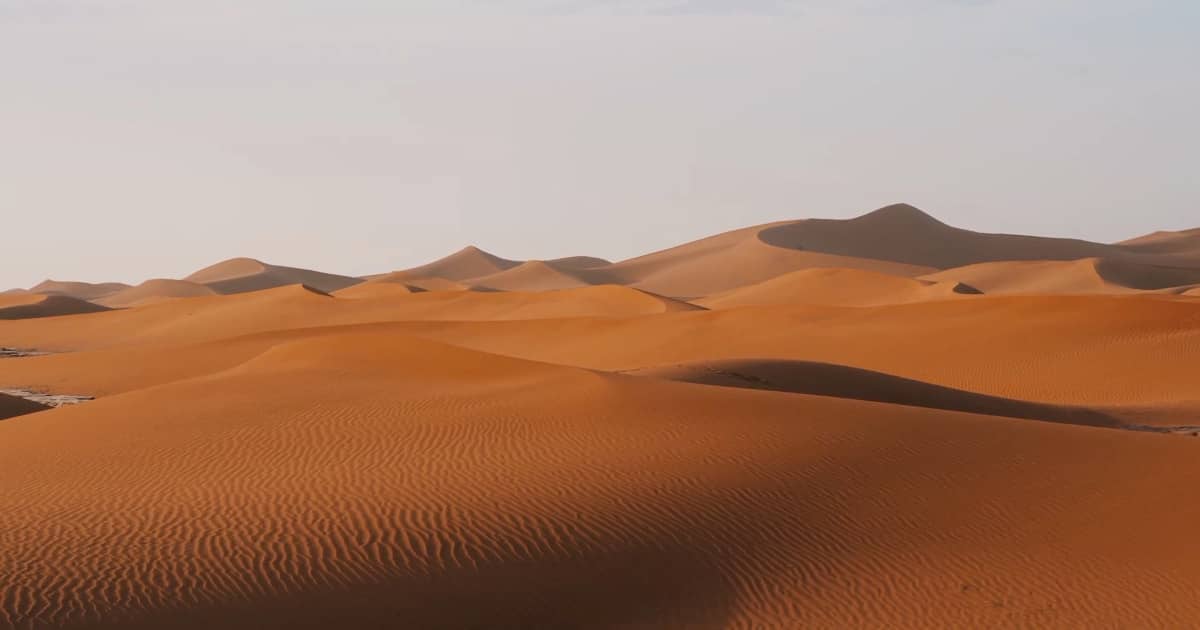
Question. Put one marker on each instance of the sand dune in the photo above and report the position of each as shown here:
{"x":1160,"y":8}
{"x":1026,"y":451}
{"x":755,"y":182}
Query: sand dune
{"x":241,"y":275}
{"x":1088,"y":275}
{"x":419,"y":283}
{"x":79,"y":290}
{"x":837,"y":287}
{"x":839,"y":381}
{"x":155,"y":290}
{"x":579,"y":262}
{"x":904,"y":234}
{"x":735,"y":259}
{"x":1183,"y":243}
{"x":537,"y":275}
{"x":405,"y":479}
{"x":469,"y":262}
{"x":297,"y":306}
{"x":1070,"y":350}
{"x":33,"y":305}
{"x":842,"y":438}
{"x":11,"y":407}
{"x":377,"y":289}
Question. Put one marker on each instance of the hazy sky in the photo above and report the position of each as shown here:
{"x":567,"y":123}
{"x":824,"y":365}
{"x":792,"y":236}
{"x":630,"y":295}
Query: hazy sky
{"x":152,"y":137}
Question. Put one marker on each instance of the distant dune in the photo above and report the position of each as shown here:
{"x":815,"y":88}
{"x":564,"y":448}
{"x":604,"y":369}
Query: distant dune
{"x":732,"y":260}
{"x":837,"y":287}
{"x":904,"y":234}
{"x":1087,"y":275}
{"x":806,"y":424}
{"x":469,"y":262}
{"x":1181,"y":243}
{"x":31,"y":306}
{"x":78,"y":290}
{"x":155,"y":290}
{"x":240,"y":275}
{"x":537,"y":275}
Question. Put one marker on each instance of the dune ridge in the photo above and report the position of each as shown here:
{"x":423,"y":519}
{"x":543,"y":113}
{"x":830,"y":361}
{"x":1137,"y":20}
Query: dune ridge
{"x":242,"y":275}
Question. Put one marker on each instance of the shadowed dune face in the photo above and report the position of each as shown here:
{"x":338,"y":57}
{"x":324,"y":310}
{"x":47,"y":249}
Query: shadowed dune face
{"x":824,"y":379}
{"x":904,"y":234}
{"x":243,"y":275}
{"x":11,"y":407}
{"x":36,"y":306}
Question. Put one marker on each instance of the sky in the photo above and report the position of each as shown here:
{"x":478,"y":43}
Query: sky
{"x":145,"y":138}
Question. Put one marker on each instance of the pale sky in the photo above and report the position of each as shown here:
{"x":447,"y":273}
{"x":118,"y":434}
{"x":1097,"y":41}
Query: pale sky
{"x":149,"y":138}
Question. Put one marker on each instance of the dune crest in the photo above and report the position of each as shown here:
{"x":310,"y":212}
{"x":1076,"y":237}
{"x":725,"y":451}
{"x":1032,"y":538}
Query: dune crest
{"x":155,"y":290}
{"x":468,"y":262}
{"x":242,"y":275}
{"x":78,"y":290}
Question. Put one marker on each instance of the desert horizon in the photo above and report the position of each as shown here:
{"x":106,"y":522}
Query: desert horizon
{"x":599,"y":314}
{"x":883,"y":421}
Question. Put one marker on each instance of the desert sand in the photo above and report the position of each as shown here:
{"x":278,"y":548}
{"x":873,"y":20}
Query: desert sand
{"x":882,"y":422}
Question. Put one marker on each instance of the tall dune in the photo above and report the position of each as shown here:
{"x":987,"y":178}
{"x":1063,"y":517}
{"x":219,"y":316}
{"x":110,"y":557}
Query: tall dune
{"x":469,"y":262}
{"x":241,"y":275}
{"x":904,"y":234}
{"x":837,"y":287}
{"x":732,"y":260}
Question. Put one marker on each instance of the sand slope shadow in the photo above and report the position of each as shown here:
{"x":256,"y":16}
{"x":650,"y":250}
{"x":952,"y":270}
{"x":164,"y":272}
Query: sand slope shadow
{"x":840,"y":381}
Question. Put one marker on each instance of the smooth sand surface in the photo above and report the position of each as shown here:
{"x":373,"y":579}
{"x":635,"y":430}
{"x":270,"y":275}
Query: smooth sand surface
{"x":155,"y":290}
{"x":1087,"y":275}
{"x":824,"y":437}
{"x":838,"y":287}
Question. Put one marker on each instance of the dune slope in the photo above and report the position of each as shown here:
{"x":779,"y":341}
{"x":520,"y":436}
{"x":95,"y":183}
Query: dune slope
{"x":837,"y":287}
{"x":402,"y":479}
{"x":241,"y":275}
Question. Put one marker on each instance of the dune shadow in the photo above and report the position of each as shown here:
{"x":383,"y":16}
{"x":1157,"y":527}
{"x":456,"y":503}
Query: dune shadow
{"x":635,"y":587}
{"x":840,"y":381}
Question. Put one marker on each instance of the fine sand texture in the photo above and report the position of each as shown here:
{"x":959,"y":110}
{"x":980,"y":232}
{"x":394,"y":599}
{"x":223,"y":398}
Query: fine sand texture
{"x":882,"y":422}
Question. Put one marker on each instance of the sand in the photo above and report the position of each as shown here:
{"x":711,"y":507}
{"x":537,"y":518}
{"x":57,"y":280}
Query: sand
{"x":240,"y":275}
{"x":13,"y":406}
{"x":805,"y":432}
{"x":155,"y":290}
{"x":1087,"y":275}
{"x":838,"y":287}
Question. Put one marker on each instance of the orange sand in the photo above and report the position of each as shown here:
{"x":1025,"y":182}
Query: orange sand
{"x":832,"y":432}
